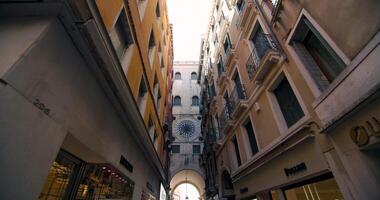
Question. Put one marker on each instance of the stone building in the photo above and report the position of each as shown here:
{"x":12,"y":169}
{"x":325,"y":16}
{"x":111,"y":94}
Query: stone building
{"x":291,"y":100}
{"x":83,"y":92}
{"x":187,"y":144}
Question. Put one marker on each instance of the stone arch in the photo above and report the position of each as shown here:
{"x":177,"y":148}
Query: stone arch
{"x":227,"y":188}
{"x":191,"y":176}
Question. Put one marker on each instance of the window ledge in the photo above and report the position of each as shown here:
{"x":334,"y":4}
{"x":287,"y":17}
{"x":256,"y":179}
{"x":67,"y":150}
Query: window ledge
{"x":349,"y":69}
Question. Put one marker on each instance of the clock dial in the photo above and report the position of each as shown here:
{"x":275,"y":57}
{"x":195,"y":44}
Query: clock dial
{"x":186,"y":128}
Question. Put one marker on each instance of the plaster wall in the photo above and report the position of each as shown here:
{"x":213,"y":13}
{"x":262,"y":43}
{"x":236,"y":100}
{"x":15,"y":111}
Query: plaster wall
{"x":361,"y":164}
{"x":52,"y":71}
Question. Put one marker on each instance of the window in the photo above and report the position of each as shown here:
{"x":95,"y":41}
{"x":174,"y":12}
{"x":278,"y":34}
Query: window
{"x":141,"y":99}
{"x":239,"y":4}
{"x":92,"y":178}
{"x":156,"y":89}
{"x":176,"y":149}
{"x":195,"y":101}
{"x":220,"y":66}
{"x":260,"y":42}
{"x":237,"y":152}
{"x":177,"y":101}
{"x":177,"y":76}
{"x":196,"y":149}
{"x":158,"y":10}
{"x":151,"y":128}
{"x":227,"y":44}
{"x":323,"y":64}
{"x":289,"y":105}
{"x":121,"y":36}
{"x":251,"y":137}
{"x":152,"y":46}
{"x":142,"y":7}
{"x":194,"y":76}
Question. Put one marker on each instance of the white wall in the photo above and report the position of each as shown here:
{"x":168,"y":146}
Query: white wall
{"x":52,"y":70}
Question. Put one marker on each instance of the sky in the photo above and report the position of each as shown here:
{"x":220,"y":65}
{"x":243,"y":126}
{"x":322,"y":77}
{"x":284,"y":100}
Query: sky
{"x":188,"y":190}
{"x":190,"y":20}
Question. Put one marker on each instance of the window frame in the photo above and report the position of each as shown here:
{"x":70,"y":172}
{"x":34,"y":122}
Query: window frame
{"x":276,"y":110}
{"x":174,"y":101}
{"x":175,"y":145}
{"x":192,"y":100}
{"x":191,"y":76}
{"x":317,"y":92}
{"x":175,"y":76}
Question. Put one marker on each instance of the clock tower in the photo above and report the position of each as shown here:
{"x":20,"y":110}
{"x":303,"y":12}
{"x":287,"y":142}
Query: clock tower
{"x":187,"y":145}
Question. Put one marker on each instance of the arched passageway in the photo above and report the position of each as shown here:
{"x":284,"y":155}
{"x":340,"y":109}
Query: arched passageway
{"x":227,"y":187}
{"x":187,"y":183}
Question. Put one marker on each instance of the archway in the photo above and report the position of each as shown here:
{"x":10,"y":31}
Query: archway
{"x":227,"y":186}
{"x":189,"y":180}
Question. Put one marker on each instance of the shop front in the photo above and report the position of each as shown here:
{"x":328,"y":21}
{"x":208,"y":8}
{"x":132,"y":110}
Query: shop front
{"x":297,"y":173}
{"x":356,"y":141}
{"x":71,"y":178}
{"x":322,"y":187}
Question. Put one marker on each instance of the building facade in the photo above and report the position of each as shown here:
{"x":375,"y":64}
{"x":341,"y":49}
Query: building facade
{"x":186,"y":144}
{"x":291,"y":100}
{"x":84,"y":87}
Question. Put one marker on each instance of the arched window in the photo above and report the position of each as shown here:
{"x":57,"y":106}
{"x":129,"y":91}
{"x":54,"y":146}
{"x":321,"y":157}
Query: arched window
{"x":193,"y":76}
{"x":177,"y":76}
{"x":177,"y":101}
{"x":195,"y":101}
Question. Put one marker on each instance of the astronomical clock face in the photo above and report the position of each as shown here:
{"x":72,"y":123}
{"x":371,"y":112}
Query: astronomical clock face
{"x":186,"y":128}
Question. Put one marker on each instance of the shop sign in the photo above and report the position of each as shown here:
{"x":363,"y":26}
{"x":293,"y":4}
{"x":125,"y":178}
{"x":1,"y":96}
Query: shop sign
{"x":243,"y":190}
{"x":295,"y":169}
{"x":126,"y":164}
{"x":361,"y":135}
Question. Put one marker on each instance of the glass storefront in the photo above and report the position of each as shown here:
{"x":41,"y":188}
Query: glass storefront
{"x":71,"y":178}
{"x":321,"y":188}
{"x":104,"y":182}
{"x":61,"y":173}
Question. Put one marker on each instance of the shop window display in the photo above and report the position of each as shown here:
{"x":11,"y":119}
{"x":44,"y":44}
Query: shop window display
{"x":320,"y":188}
{"x":72,"y":178}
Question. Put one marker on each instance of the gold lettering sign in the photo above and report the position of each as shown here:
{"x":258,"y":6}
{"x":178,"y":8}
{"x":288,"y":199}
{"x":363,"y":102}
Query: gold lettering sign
{"x":359,"y":136}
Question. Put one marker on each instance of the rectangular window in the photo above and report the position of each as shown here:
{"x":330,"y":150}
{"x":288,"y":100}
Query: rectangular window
{"x":142,"y":97}
{"x":239,"y":4}
{"x":322,"y":62}
{"x":121,"y":36}
{"x":251,"y":137}
{"x":237,"y":152}
{"x":227,"y":44}
{"x":196,"y":149}
{"x":289,"y":105}
{"x":175,"y":149}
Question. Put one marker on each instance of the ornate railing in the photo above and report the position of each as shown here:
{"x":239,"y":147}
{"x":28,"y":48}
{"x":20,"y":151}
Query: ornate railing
{"x":224,"y":118}
{"x":237,"y":94}
{"x":261,"y":46}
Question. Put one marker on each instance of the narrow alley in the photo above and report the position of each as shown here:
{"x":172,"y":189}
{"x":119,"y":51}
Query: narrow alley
{"x":189,"y":100}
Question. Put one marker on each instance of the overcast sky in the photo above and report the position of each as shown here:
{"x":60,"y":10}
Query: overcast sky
{"x":189,"y":19}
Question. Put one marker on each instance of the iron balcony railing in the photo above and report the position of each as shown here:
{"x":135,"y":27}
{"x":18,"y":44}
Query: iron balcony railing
{"x":261,"y":46}
{"x":224,"y":118}
{"x":237,"y":95}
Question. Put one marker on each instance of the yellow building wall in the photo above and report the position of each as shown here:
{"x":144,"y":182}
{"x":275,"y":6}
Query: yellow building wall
{"x":139,"y":64}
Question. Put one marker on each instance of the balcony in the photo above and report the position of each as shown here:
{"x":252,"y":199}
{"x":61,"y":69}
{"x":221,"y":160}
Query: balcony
{"x":238,"y":101}
{"x":247,"y":12}
{"x":213,"y":104}
{"x":225,"y":120}
{"x":230,"y":61}
{"x":258,"y":67}
{"x":222,"y":79}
